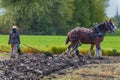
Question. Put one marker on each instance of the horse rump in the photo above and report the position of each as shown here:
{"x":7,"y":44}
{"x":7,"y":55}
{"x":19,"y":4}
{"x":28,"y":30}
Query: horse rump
{"x":72,"y":36}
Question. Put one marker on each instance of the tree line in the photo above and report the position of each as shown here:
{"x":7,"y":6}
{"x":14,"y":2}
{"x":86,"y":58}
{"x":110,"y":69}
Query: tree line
{"x":50,"y":17}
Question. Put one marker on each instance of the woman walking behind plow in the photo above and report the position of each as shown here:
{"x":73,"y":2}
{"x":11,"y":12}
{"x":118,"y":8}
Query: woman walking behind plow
{"x":14,"y":39}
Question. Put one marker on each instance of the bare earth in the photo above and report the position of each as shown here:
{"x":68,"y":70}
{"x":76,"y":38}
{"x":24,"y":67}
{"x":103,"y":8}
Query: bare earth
{"x":107,"y":68}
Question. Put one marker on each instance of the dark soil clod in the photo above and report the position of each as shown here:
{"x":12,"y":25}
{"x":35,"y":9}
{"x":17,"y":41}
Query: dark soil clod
{"x":36,"y":66}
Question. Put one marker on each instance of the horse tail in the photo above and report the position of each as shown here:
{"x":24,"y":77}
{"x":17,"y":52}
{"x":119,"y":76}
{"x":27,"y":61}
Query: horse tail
{"x":67,"y":40}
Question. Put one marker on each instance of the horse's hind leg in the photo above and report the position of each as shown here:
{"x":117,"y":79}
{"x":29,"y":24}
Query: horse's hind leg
{"x":77,"y":53}
{"x":68,"y":50}
{"x":75,"y":49}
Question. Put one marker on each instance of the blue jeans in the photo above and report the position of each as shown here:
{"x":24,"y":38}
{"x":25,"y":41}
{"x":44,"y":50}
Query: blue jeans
{"x":18,"y":49}
{"x":18,"y":46}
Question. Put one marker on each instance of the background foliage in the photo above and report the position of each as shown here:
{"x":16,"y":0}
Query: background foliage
{"x":50,"y":17}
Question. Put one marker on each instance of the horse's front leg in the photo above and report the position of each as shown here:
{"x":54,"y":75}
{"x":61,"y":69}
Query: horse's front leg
{"x":90,"y":51}
{"x":98,"y":53}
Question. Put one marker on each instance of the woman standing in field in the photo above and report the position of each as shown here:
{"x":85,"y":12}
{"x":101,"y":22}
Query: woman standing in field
{"x":14,"y":40}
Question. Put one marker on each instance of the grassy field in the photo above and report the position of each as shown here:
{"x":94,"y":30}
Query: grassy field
{"x":56,"y":44}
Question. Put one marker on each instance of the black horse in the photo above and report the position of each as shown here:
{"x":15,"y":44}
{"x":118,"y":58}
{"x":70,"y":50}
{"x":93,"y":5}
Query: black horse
{"x":93,"y":36}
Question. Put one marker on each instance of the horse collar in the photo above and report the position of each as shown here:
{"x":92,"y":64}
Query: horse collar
{"x":100,"y":34}
{"x":97,"y":29}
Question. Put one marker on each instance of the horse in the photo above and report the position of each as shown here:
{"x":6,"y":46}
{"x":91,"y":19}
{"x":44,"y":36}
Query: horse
{"x":93,"y":36}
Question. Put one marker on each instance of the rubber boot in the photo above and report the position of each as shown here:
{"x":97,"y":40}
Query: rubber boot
{"x":19,"y":52}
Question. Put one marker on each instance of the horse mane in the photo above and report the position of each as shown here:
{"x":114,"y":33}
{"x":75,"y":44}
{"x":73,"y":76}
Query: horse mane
{"x":100,"y":26}
{"x":76,"y":29}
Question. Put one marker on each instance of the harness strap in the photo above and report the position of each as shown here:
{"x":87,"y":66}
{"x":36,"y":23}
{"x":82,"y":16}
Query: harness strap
{"x":100,"y":34}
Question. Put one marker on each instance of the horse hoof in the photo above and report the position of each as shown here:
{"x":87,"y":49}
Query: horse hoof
{"x":100,"y":58}
{"x":90,"y":57}
{"x":69,"y":56}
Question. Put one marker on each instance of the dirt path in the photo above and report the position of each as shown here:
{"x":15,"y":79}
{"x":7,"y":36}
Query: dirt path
{"x":92,"y":72}
{"x":5,"y":56}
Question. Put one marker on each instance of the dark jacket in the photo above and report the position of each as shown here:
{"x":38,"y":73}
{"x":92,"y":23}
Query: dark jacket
{"x":14,"y":38}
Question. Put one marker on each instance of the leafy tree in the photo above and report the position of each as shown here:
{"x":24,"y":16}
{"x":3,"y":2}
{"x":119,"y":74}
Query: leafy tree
{"x":81,"y":13}
{"x":117,"y":18}
{"x":97,"y":10}
{"x":50,"y":16}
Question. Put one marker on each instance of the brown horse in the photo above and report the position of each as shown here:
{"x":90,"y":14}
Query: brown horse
{"x":93,"y":36}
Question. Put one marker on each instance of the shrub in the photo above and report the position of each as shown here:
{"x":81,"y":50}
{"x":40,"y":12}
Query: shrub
{"x":112,"y":52}
{"x":57,"y":50}
{"x":4,"y":48}
{"x":83,"y":51}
